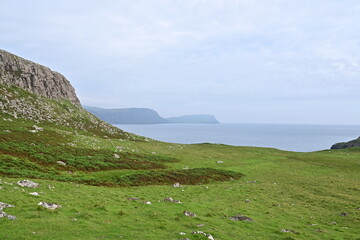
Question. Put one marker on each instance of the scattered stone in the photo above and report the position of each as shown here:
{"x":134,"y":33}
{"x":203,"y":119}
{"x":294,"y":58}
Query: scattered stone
{"x":358,"y":208}
{"x":333,"y":223}
{"x":189,"y":214}
{"x":312,"y":224}
{"x":241,"y":218}
{"x":51,"y":206}
{"x":184,"y":239}
{"x":116,"y":155}
{"x":344,"y":214}
{"x":247,"y":200}
{"x":289,"y":231}
{"x":51,"y":187}
{"x":252,"y":181}
{"x":27,"y":183}
{"x":220,"y":162}
{"x":182,"y":233}
{"x":5,"y":205}
{"x":2,"y":214}
{"x":170,"y":199}
{"x":34,"y":194}
{"x":201,"y":225}
{"x":1,"y":188}
{"x":61,"y":163}
{"x":37,"y":128}
{"x":208,"y":235}
{"x":7,"y":131}
{"x":133,"y":198}
{"x":11,"y":217}
{"x":147,"y":202}
{"x":177,"y":185}
{"x":318,"y":230}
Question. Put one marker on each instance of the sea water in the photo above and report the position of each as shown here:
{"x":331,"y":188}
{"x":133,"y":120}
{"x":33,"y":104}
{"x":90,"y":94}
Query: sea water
{"x":290,"y":137}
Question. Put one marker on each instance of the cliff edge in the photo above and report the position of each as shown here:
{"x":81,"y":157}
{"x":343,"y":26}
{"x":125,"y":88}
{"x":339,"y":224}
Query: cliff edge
{"x":35,"y":78}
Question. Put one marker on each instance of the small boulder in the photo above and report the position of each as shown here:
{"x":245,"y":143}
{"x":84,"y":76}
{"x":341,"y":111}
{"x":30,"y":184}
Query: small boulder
{"x":147,"y":202}
{"x":208,"y":235}
{"x":289,"y":231}
{"x":27,"y":183}
{"x":34,"y":194}
{"x":61,"y":163}
{"x":116,"y":155}
{"x":2,"y":214}
{"x":344,"y":214}
{"x":189,"y":214}
{"x":5,"y":205}
{"x":11,"y":217}
{"x":133,"y":198}
{"x":51,"y":206}
{"x":177,"y":185}
{"x":241,"y":218}
{"x":170,"y":199}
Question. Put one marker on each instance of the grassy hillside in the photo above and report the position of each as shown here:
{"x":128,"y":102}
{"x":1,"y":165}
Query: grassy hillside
{"x":311,"y":195}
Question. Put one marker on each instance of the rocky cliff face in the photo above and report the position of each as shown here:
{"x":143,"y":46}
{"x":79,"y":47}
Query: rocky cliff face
{"x":35,"y":78}
{"x":350,"y":144}
{"x":127,"y":115}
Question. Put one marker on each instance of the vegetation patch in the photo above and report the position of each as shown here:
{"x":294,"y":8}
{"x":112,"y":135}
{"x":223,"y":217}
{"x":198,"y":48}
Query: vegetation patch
{"x":167,"y":177}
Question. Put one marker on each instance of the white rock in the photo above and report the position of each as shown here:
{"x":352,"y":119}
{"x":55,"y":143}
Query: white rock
{"x":5,"y":205}
{"x":61,"y":163}
{"x":27,"y":183}
{"x":34,"y":194}
{"x":51,"y":206}
{"x":116,"y":155}
{"x":177,"y":185}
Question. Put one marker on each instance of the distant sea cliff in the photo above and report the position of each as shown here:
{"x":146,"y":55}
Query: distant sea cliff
{"x":145,"y":116}
{"x":349,"y":144}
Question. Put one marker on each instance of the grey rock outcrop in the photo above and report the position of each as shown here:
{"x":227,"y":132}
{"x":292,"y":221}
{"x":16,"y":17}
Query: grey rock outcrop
{"x":5,"y":205}
{"x":27,"y":183}
{"x":241,"y":218}
{"x":51,"y":206}
{"x":35,"y":78}
{"x":349,"y":144}
{"x":189,"y":214}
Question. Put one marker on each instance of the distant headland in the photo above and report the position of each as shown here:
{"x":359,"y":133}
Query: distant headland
{"x":145,"y":116}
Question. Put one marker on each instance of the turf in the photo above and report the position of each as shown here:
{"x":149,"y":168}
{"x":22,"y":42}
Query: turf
{"x":302,"y":192}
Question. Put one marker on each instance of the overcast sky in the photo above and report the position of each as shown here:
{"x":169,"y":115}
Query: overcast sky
{"x":251,"y":61}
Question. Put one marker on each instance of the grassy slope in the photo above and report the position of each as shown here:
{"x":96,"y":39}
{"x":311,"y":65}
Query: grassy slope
{"x":292,"y":190}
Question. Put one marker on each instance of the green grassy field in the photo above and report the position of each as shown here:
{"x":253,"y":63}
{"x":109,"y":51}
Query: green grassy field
{"x":305,"y":193}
